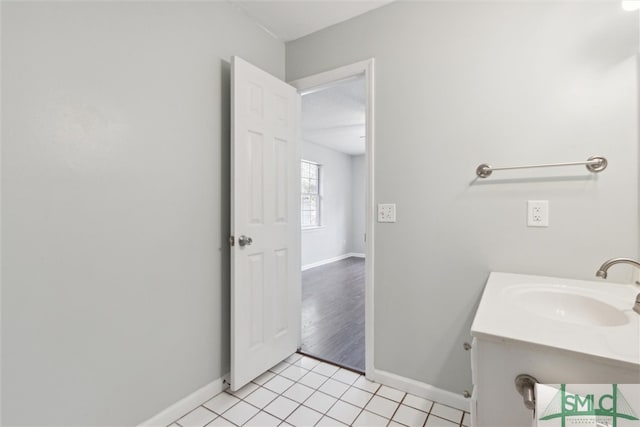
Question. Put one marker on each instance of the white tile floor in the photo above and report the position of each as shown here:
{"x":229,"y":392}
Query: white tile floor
{"x":302,"y":391}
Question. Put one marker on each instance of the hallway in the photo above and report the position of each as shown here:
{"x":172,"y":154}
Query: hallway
{"x":333,"y":312}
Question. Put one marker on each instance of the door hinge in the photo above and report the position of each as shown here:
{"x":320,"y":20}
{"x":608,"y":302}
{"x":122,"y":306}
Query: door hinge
{"x":232,"y":241}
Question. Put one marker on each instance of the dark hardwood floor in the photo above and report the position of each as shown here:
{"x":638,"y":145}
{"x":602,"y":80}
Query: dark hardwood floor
{"x":333,"y":312}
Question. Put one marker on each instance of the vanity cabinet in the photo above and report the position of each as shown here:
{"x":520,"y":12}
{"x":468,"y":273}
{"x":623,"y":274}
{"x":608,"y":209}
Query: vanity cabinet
{"x":496,"y":363}
{"x":509,"y":340}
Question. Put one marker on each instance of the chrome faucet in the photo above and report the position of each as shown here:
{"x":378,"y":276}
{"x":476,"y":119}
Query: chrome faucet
{"x":602,"y":272}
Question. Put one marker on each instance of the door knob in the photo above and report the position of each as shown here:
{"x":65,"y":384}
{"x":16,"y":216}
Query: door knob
{"x":245,"y":241}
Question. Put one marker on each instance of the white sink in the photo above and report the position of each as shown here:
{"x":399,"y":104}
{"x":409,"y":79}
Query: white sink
{"x":594,"y":318}
{"x":567,"y":304}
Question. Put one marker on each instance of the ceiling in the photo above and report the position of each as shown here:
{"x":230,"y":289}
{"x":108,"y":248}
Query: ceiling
{"x":292,"y":19}
{"x":335,"y":116}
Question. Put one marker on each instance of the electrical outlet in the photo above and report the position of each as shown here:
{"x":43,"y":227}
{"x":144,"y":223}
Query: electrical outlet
{"x":538,"y":213}
{"x":386,"y":212}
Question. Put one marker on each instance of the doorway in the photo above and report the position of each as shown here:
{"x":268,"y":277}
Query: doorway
{"x":265,"y":216}
{"x":336,"y":205}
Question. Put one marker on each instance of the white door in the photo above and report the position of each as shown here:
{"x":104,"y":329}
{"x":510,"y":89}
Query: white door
{"x":265,"y":217}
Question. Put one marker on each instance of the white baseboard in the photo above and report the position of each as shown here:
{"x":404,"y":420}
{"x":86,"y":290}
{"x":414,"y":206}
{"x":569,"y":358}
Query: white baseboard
{"x":185,"y":405}
{"x":421,"y":389}
{"x":330,"y":260}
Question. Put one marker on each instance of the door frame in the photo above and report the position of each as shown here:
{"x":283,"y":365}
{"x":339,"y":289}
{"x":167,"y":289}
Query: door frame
{"x":321,"y":81}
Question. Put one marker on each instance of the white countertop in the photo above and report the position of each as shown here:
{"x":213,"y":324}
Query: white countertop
{"x":500,"y":317}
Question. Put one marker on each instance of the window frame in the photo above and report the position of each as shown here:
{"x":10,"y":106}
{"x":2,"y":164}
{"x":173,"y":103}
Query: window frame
{"x":317,"y":194}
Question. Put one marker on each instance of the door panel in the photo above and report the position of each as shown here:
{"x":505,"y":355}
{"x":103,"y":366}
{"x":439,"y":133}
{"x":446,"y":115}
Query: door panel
{"x":265,"y":274}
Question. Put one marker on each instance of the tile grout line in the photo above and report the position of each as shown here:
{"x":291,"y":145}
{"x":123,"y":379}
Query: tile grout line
{"x":326,"y":413}
{"x":315,"y":389}
{"x":233,"y":395}
{"x":299,"y":404}
{"x":461,"y":418}
{"x":363,"y":406}
{"x":397,"y":408}
{"x":447,"y":419}
{"x":338,"y":399}
{"x":193,"y":410}
{"x":279,"y":395}
{"x":429,"y":413}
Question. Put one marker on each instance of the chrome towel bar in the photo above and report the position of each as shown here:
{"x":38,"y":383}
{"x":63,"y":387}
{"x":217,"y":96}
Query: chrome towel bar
{"x":594,"y":164}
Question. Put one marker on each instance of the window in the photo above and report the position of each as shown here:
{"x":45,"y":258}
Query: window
{"x":310,"y":185}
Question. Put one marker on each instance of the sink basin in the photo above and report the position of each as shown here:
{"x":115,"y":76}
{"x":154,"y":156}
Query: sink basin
{"x":567,"y":304}
{"x":591,"y":318}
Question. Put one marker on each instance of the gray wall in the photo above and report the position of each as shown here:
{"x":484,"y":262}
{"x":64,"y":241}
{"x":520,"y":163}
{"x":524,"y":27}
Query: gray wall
{"x":458,"y":84}
{"x":358,"y":212}
{"x":332,"y":238}
{"x":115,"y":204}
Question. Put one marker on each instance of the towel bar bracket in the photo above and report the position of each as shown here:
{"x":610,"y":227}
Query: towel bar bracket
{"x":525,"y":385}
{"x":596,"y":164}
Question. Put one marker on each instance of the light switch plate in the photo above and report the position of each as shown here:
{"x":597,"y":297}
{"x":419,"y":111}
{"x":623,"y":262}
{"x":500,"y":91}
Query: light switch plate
{"x":387,"y":212}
